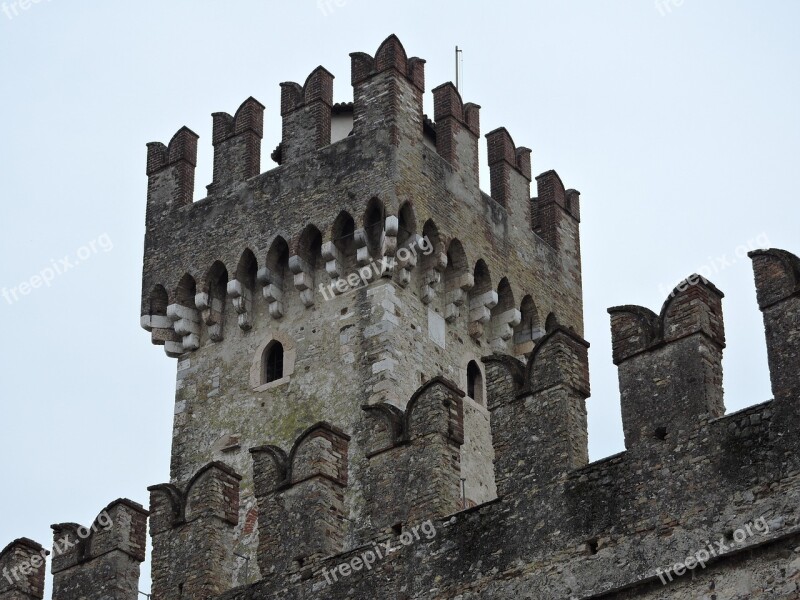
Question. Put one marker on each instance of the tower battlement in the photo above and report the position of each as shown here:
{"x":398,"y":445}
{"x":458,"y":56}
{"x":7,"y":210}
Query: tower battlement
{"x":23,"y":563}
{"x":341,"y":202}
{"x":101,"y":560}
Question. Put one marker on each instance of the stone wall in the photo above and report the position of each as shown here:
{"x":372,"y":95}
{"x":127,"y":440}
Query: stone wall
{"x":22,"y":569}
{"x":100,"y":561}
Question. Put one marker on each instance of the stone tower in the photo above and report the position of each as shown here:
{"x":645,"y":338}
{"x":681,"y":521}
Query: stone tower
{"x":330,"y":288}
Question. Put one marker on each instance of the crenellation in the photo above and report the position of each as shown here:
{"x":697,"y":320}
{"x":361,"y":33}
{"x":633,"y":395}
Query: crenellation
{"x":306,"y":112}
{"x":457,"y":131}
{"x":390,"y":56}
{"x":387,"y":93}
{"x":747,"y":436}
{"x":192,"y":531}
{"x":414,"y":469}
{"x":385,"y":425}
{"x":554,"y":209}
{"x":390,"y":61}
{"x":301,"y":498}
{"x":506,"y":375}
{"x":237,"y":145}
{"x":270,"y":472}
{"x":101,"y":561}
{"x":670,"y":365}
{"x":540,"y":430}
{"x":23,"y":564}
{"x":170,"y":172}
{"x":602,"y":532}
{"x":777,"y":278}
{"x":510,"y":173}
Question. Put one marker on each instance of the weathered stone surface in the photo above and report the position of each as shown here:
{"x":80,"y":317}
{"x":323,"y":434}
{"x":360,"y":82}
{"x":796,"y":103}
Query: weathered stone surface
{"x":101,"y":561}
{"x":22,"y":568}
{"x":192,"y":528}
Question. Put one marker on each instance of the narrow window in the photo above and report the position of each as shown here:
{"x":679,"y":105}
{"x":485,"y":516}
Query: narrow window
{"x":474,"y":382}
{"x":273,"y":362}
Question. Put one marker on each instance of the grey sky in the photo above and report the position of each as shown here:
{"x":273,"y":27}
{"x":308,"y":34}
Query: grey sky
{"x":678,"y":123}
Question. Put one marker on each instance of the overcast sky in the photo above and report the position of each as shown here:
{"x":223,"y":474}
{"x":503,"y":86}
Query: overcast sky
{"x":678,"y":122}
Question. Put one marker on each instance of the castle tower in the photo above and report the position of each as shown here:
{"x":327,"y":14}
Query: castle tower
{"x":368,"y":345}
{"x":331,"y":313}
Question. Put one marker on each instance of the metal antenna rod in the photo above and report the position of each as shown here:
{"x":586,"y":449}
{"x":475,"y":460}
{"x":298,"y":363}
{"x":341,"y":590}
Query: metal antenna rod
{"x":457,"y":53}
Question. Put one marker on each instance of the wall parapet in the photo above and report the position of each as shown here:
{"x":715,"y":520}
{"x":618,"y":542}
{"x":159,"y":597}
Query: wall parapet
{"x":102,"y":560}
{"x":300,"y":496}
{"x":23,"y":564}
{"x":192,"y":530}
